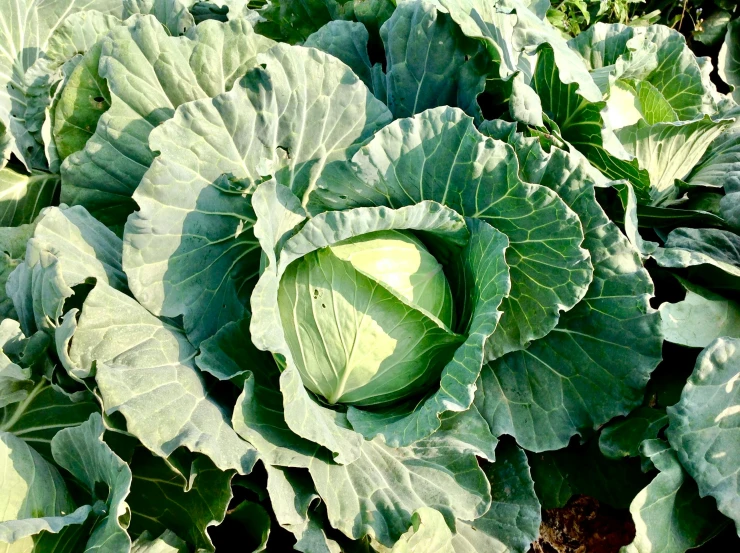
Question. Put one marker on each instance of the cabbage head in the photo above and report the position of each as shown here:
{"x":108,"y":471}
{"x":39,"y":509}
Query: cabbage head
{"x":369,"y":319}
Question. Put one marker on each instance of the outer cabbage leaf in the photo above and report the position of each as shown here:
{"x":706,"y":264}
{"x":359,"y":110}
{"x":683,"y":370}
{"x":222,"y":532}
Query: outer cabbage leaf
{"x":5,"y":145}
{"x":35,"y":498}
{"x":173,"y":14}
{"x":81,"y":100}
{"x":595,"y":364}
{"x":259,"y":418}
{"x":669,"y":151}
{"x":657,"y":95}
{"x":720,"y":165}
{"x":162,"y":499}
{"x":45,"y":411}
{"x":730,"y":209}
{"x":669,"y":515}
{"x":656,"y":55}
{"x":513,"y":521}
{"x":512,"y":32}
{"x":15,"y":381}
{"x":313,"y":538}
{"x":31,"y":407}
{"x":68,"y":248}
{"x":293,"y":22}
{"x":223,"y":354}
{"x":428,"y":532}
{"x":440,"y":472}
{"x":12,"y":249}
{"x":427,"y":60}
{"x":704,"y":425}
{"x":729,"y":58}
{"x":628,"y":198}
{"x":217,"y":151}
{"x":358,"y":495}
{"x":717,"y":252}
{"x":469,"y":431}
{"x":291,"y":494}
{"x":225,"y":10}
{"x":27,"y":26}
{"x":413,"y":79}
{"x":22,"y":196}
{"x":149,"y":74}
{"x":7,"y":265}
{"x":73,"y":38}
{"x":103,"y":476}
{"x":82,"y":451}
{"x":145,"y":370}
{"x":678,"y":75}
{"x":439,"y":155}
{"x":700,"y":318}
{"x":373,"y":13}
{"x":582,"y":125}
{"x":622,"y":438}
{"x":168,"y":542}
{"x":348,"y":41}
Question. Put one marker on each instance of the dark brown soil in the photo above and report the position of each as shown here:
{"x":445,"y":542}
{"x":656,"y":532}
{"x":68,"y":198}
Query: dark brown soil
{"x":584,"y":526}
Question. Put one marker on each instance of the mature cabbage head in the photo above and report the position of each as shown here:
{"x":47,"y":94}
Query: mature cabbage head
{"x":368,"y":320}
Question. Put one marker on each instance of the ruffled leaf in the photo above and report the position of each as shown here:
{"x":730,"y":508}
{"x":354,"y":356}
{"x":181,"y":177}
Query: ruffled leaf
{"x":513,"y":521}
{"x":668,"y":512}
{"x":595,"y":364}
{"x":163,"y":500}
{"x":216,"y":164}
{"x":704,"y":425}
{"x":145,"y":90}
{"x":25,"y":33}
{"x":145,"y":370}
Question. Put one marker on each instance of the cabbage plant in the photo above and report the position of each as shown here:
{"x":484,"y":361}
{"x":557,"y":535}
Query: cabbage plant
{"x":278,"y":270}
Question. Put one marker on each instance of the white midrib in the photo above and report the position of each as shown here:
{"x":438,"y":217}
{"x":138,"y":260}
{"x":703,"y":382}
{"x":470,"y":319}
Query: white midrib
{"x":345,"y":376}
{"x":22,"y":406}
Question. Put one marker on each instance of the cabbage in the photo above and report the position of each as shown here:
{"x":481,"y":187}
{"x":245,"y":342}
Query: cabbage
{"x":363,"y":318}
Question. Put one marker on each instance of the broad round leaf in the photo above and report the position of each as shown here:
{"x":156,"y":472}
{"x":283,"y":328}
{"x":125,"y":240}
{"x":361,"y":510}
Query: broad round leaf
{"x":145,"y":370}
{"x":35,"y":496}
{"x":213,"y":153}
{"x":705,"y":425}
{"x":596,"y":362}
{"x":668,"y":513}
{"x":26,"y":27}
{"x":149,"y":74}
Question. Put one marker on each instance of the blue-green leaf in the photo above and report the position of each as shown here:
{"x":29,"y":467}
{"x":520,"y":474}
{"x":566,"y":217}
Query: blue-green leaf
{"x":704,"y":425}
{"x":147,"y":83}
{"x":669,"y":515}
{"x":216,"y":165}
{"x":513,"y":521}
{"x":165,"y":405}
{"x":596,"y":362}
{"x":82,"y":451}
